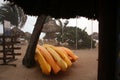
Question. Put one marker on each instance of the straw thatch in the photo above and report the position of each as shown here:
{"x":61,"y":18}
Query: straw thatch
{"x":59,"y":8}
{"x":17,"y":32}
{"x":51,"y":26}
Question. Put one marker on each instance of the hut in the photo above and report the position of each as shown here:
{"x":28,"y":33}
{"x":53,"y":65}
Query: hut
{"x":104,"y":11}
{"x":27,"y":36}
{"x":50,"y":28}
{"x":17,"y":32}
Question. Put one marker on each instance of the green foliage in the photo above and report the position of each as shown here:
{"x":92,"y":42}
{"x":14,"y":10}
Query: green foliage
{"x":12,"y":13}
{"x":69,"y":35}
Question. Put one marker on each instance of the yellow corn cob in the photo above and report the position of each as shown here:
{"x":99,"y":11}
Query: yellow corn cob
{"x":49,"y":59}
{"x":63,"y":54}
{"x":58,"y":59}
{"x":70,"y":53}
{"x":45,"y":67}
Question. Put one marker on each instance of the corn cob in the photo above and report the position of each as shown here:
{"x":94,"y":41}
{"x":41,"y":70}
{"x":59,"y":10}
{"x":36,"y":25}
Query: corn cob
{"x":63,"y":54}
{"x":45,"y":67}
{"x":58,"y":59}
{"x":70,"y":53}
{"x":49,"y":59}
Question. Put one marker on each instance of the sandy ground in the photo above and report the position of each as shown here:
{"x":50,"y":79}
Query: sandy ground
{"x":85,"y":68}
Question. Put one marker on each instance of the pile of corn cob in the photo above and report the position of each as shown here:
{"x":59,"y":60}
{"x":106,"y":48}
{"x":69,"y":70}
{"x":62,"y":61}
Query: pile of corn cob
{"x":53,"y":58}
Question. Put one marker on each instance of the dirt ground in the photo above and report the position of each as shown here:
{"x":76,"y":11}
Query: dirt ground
{"x":85,"y":68}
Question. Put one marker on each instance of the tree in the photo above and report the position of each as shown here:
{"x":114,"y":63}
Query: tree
{"x":95,"y":35}
{"x":83,"y":39}
{"x":28,"y":59}
{"x":62,"y":25}
{"x":50,"y":28}
{"x":12,"y":13}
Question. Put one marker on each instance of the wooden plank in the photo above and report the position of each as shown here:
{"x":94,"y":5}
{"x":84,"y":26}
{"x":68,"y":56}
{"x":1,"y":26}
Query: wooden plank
{"x":14,"y":54}
{"x":6,"y":50}
{"x":8,"y":36}
{"x":1,"y":58}
{"x":9,"y":43}
{"x":16,"y":48}
{"x":1,"y":50}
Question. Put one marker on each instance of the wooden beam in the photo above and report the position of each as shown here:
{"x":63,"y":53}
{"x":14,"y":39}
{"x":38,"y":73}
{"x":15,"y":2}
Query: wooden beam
{"x":107,"y":40}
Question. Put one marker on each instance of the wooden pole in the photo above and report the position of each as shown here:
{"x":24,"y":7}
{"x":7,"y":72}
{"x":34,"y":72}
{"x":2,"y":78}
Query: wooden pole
{"x":91,"y":34}
{"x":107,"y":40}
{"x":76,"y":33}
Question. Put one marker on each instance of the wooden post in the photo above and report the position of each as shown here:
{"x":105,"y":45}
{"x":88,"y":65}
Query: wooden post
{"x":28,"y":59}
{"x":107,"y":40}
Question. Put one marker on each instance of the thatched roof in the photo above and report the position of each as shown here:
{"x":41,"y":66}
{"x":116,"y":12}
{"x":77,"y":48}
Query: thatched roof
{"x":17,"y":31}
{"x":51,"y":26}
{"x":59,"y":8}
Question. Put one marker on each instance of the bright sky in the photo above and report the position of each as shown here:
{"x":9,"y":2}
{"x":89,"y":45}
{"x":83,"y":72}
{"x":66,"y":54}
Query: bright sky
{"x":1,"y":1}
{"x":91,"y":25}
{"x":82,"y":22}
{"x":29,"y":25}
